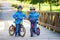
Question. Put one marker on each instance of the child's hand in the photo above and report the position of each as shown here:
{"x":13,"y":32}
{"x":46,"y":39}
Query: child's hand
{"x":16,"y":18}
{"x":32,"y":20}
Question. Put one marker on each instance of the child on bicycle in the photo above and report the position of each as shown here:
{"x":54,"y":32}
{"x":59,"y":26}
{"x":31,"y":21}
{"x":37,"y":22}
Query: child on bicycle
{"x":18,"y":16}
{"x":33,"y":18}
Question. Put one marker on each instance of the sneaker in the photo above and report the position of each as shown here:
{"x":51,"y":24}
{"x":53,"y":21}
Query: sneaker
{"x":31,"y":35}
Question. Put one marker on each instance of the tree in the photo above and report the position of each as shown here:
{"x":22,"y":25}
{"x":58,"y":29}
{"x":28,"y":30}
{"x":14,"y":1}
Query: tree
{"x":20,"y":0}
{"x":23,"y":0}
{"x":52,"y":2}
{"x":56,"y":2}
{"x":34,"y":2}
{"x":37,"y":1}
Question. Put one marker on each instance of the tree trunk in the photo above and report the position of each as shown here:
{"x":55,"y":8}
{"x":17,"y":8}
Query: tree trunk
{"x":50,"y":2}
{"x":39,"y":5}
{"x":50,"y":7}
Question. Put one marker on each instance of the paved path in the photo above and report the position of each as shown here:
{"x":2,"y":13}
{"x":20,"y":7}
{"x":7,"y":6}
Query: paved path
{"x":45,"y":33}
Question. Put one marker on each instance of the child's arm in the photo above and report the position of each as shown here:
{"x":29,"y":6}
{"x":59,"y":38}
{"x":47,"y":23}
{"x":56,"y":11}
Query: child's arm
{"x":24,"y":15}
{"x":29,"y":16}
{"x":38,"y":16}
{"x":15,"y":16}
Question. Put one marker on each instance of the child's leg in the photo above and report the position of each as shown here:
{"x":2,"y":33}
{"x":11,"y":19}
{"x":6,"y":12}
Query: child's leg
{"x":31,"y":30}
{"x":35,"y":27}
{"x":16,"y":31}
{"x":19,"y":30}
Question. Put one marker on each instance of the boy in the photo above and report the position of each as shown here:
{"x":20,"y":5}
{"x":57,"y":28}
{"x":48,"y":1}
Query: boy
{"x":33,"y":18}
{"x":18,"y":16}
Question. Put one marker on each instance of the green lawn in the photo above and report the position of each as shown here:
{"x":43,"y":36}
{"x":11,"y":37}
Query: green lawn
{"x":56,"y":10}
{"x":47,"y":8}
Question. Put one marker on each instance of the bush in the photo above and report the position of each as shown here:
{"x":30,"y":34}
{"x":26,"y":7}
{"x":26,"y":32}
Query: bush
{"x":14,"y":5}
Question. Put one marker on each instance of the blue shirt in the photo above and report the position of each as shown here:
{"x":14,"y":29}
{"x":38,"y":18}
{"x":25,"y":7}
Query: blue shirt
{"x":34,"y":16}
{"x":18,"y":16}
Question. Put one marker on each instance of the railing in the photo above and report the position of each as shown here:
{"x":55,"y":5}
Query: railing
{"x":50,"y":20}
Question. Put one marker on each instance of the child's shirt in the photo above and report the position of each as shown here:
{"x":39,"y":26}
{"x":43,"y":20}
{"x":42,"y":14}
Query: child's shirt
{"x":33,"y":16}
{"x":18,"y":16}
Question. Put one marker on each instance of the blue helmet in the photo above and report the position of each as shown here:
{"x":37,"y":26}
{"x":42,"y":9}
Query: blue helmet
{"x":20,"y":7}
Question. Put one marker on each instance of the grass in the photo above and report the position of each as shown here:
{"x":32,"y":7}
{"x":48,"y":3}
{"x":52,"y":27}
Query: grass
{"x":57,"y":10}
